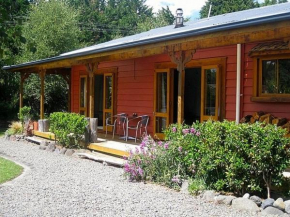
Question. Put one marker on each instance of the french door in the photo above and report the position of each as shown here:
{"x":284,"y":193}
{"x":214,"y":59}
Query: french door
{"x":161,"y":101}
{"x":108,"y":100}
{"x":210,"y":93}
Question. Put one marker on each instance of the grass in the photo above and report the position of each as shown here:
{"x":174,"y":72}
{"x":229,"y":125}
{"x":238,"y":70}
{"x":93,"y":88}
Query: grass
{"x":8,"y":170}
{"x":2,"y":131}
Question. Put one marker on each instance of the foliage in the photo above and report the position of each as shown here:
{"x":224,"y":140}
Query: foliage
{"x":157,"y":162}
{"x":55,"y":94}
{"x":217,"y":155}
{"x":232,"y":157}
{"x":8,"y":170}
{"x":196,"y":185}
{"x":12,"y":14}
{"x":68,"y":128}
{"x":14,"y":128}
{"x":2,"y":131}
{"x":51,"y":29}
{"x":272,"y":2}
{"x":106,"y":20}
{"x":164,"y":17}
{"x":226,"y":6}
{"x":24,"y":113}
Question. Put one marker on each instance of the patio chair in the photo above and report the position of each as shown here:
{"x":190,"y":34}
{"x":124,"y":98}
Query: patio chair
{"x":142,"y":124}
{"x":119,"y":120}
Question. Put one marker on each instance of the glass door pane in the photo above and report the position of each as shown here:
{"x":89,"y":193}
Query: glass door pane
{"x":161,"y":101}
{"x":210,"y":93}
{"x":83,"y":95}
{"x":108,"y":99}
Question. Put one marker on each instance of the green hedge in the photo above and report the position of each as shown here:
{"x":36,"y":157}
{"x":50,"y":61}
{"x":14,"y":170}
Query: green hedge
{"x":68,"y":128}
{"x":239,"y":158}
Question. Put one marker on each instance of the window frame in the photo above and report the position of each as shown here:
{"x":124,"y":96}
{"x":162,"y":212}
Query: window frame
{"x":258,"y":96}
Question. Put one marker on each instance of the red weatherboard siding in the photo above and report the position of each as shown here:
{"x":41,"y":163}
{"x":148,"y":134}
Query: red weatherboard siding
{"x":249,"y":107}
{"x":135,"y":84}
{"x":230,"y":52}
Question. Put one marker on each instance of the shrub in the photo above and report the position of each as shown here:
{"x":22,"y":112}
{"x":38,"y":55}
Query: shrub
{"x":14,"y":128}
{"x":24,"y":113}
{"x":188,"y":138}
{"x":196,"y":186}
{"x":68,"y":128}
{"x":157,"y":162}
{"x":222,"y":156}
{"x":232,"y":157}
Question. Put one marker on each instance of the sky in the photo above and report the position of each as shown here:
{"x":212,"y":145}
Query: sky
{"x":190,"y":8}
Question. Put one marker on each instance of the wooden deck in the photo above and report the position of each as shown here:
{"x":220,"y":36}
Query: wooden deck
{"x":107,"y":145}
{"x":116,"y":146}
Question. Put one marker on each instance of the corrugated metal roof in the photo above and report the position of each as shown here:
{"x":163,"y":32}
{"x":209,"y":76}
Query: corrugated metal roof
{"x":250,"y":17}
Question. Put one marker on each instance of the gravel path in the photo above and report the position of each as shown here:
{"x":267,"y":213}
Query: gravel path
{"x":57,"y":185}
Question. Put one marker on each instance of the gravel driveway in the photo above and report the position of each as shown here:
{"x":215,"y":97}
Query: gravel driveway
{"x":58,"y":185}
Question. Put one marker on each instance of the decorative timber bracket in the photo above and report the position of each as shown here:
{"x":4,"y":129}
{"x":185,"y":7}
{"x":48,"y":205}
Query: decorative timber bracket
{"x":180,"y":58}
{"x":91,"y":69}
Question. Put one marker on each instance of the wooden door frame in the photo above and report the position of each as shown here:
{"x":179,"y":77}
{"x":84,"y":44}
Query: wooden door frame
{"x":101,"y":71}
{"x":155,"y":114}
{"x":85,"y":108}
{"x":217,"y":98}
{"x":221,"y":62}
{"x":104,"y":99}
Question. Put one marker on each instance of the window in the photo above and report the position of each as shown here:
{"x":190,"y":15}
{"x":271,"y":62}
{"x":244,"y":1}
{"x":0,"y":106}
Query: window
{"x":274,"y":77}
{"x":271,"y":72}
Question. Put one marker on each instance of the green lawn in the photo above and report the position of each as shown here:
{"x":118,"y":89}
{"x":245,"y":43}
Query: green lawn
{"x":2,"y":131}
{"x":8,"y":170}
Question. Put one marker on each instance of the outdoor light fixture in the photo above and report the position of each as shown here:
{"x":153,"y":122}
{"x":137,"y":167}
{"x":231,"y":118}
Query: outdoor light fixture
{"x":179,"y":18}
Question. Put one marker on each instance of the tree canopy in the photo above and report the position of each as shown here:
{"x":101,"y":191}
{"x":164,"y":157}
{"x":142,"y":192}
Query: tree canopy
{"x":51,"y":29}
{"x":12,"y":12}
{"x":272,"y":2}
{"x":226,"y":6}
{"x":37,"y":29}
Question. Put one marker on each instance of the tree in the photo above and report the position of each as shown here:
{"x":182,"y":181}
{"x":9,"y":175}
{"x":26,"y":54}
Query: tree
{"x":91,"y":13}
{"x":12,"y":13}
{"x":104,"y":20}
{"x":226,"y":6}
{"x":272,"y":2}
{"x":164,"y":17}
{"x":51,"y":29}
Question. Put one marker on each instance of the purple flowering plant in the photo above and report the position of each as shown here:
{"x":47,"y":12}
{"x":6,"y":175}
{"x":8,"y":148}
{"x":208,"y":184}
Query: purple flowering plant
{"x":155,"y":161}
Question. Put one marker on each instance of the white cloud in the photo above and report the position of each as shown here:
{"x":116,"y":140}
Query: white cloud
{"x":190,"y":8}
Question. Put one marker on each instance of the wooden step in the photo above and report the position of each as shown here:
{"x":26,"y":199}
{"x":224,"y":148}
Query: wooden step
{"x":103,"y":158}
{"x":112,"y":147}
{"x":46,"y":135}
{"x":33,"y":139}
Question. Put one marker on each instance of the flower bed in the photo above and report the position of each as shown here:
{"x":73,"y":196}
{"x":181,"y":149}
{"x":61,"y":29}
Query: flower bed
{"x":225,"y":156}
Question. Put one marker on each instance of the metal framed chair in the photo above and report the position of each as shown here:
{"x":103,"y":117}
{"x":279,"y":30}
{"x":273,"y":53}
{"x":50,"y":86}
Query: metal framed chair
{"x":141,"y":124}
{"x":119,"y":120}
{"x":144,"y":124}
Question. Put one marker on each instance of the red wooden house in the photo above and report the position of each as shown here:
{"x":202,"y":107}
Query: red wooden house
{"x":223,"y":67}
